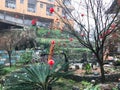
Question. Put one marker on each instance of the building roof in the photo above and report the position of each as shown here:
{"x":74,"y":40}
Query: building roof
{"x":113,"y":8}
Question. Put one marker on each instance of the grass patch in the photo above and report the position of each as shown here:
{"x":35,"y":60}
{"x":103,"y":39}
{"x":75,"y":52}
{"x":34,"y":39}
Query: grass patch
{"x":8,"y":69}
{"x":66,"y":84}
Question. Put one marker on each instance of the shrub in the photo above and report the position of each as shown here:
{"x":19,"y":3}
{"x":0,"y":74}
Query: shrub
{"x":117,"y":63}
{"x":39,"y":76}
{"x":25,"y":57}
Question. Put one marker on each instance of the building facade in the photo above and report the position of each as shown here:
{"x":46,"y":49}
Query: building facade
{"x":21,"y":12}
{"x":113,"y":40}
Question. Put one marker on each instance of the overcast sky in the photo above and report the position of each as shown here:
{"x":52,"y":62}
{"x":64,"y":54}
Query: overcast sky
{"x":80,"y":8}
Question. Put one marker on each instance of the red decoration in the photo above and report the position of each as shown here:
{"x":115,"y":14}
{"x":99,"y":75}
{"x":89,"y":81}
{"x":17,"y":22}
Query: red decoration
{"x":51,"y":62}
{"x":52,"y":42}
{"x":64,"y":17}
{"x":51,"y":10}
{"x":113,"y":26}
{"x":108,"y":31}
{"x":82,"y":34}
{"x":101,"y":36}
{"x":82,"y":15}
{"x":71,"y":39}
{"x":33,"y":22}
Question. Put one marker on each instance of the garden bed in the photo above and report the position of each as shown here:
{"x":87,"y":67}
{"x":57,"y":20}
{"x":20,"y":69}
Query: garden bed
{"x":97,"y":78}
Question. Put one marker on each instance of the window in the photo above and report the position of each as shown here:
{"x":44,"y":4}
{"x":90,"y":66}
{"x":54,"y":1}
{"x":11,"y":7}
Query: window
{"x":41,"y":5}
{"x":10,"y":4}
{"x":21,"y":1}
{"x":48,"y":6}
{"x":31,"y":5}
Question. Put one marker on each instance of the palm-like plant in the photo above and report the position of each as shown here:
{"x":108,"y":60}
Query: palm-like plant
{"x":36,"y":77}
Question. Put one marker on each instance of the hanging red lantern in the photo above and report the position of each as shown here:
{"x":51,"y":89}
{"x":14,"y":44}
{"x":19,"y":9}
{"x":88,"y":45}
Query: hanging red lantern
{"x":108,"y":31}
{"x":51,"y":10}
{"x":52,"y":42}
{"x":82,"y":34}
{"x":64,"y":17}
{"x":101,"y":36}
{"x":51,"y":62}
{"x":33,"y":22}
{"x":113,"y":26}
{"x":82,"y":15}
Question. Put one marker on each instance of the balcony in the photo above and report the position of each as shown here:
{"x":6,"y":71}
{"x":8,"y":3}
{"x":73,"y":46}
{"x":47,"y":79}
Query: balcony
{"x":31,"y":7}
{"x":10,"y":5}
{"x":31,"y":10}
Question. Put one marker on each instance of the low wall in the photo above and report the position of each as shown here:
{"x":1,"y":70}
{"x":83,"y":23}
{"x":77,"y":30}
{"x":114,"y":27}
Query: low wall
{"x":97,"y":78}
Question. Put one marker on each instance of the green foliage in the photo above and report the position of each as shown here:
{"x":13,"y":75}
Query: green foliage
{"x":117,"y":63}
{"x":87,"y":68}
{"x":2,"y":70}
{"x":114,"y":88}
{"x":91,"y":87}
{"x":25,"y":57}
{"x":38,"y":76}
{"x":46,"y":33}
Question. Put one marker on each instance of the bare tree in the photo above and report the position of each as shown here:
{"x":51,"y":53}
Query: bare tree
{"x":92,"y":20}
{"x":9,"y":39}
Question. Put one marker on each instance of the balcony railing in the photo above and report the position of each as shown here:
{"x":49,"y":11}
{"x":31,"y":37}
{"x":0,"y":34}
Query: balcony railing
{"x":31,"y":10}
{"x":10,"y":5}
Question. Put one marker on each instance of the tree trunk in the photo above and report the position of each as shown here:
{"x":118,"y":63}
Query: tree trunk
{"x":102,"y":73}
{"x":66,"y":61}
{"x":9,"y":54}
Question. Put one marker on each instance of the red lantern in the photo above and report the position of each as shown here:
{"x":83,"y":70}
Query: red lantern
{"x":113,"y":26}
{"x":82,"y":34}
{"x":64,"y":17}
{"x":51,"y":62}
{"x":101,"y":36}
{"x":108,"y":31}
{"x":51,"y":10}
{"x":71,"y":39}
{"x":82,"y":15}
{"x":33,"y":22}
{"x":52,"y":42}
